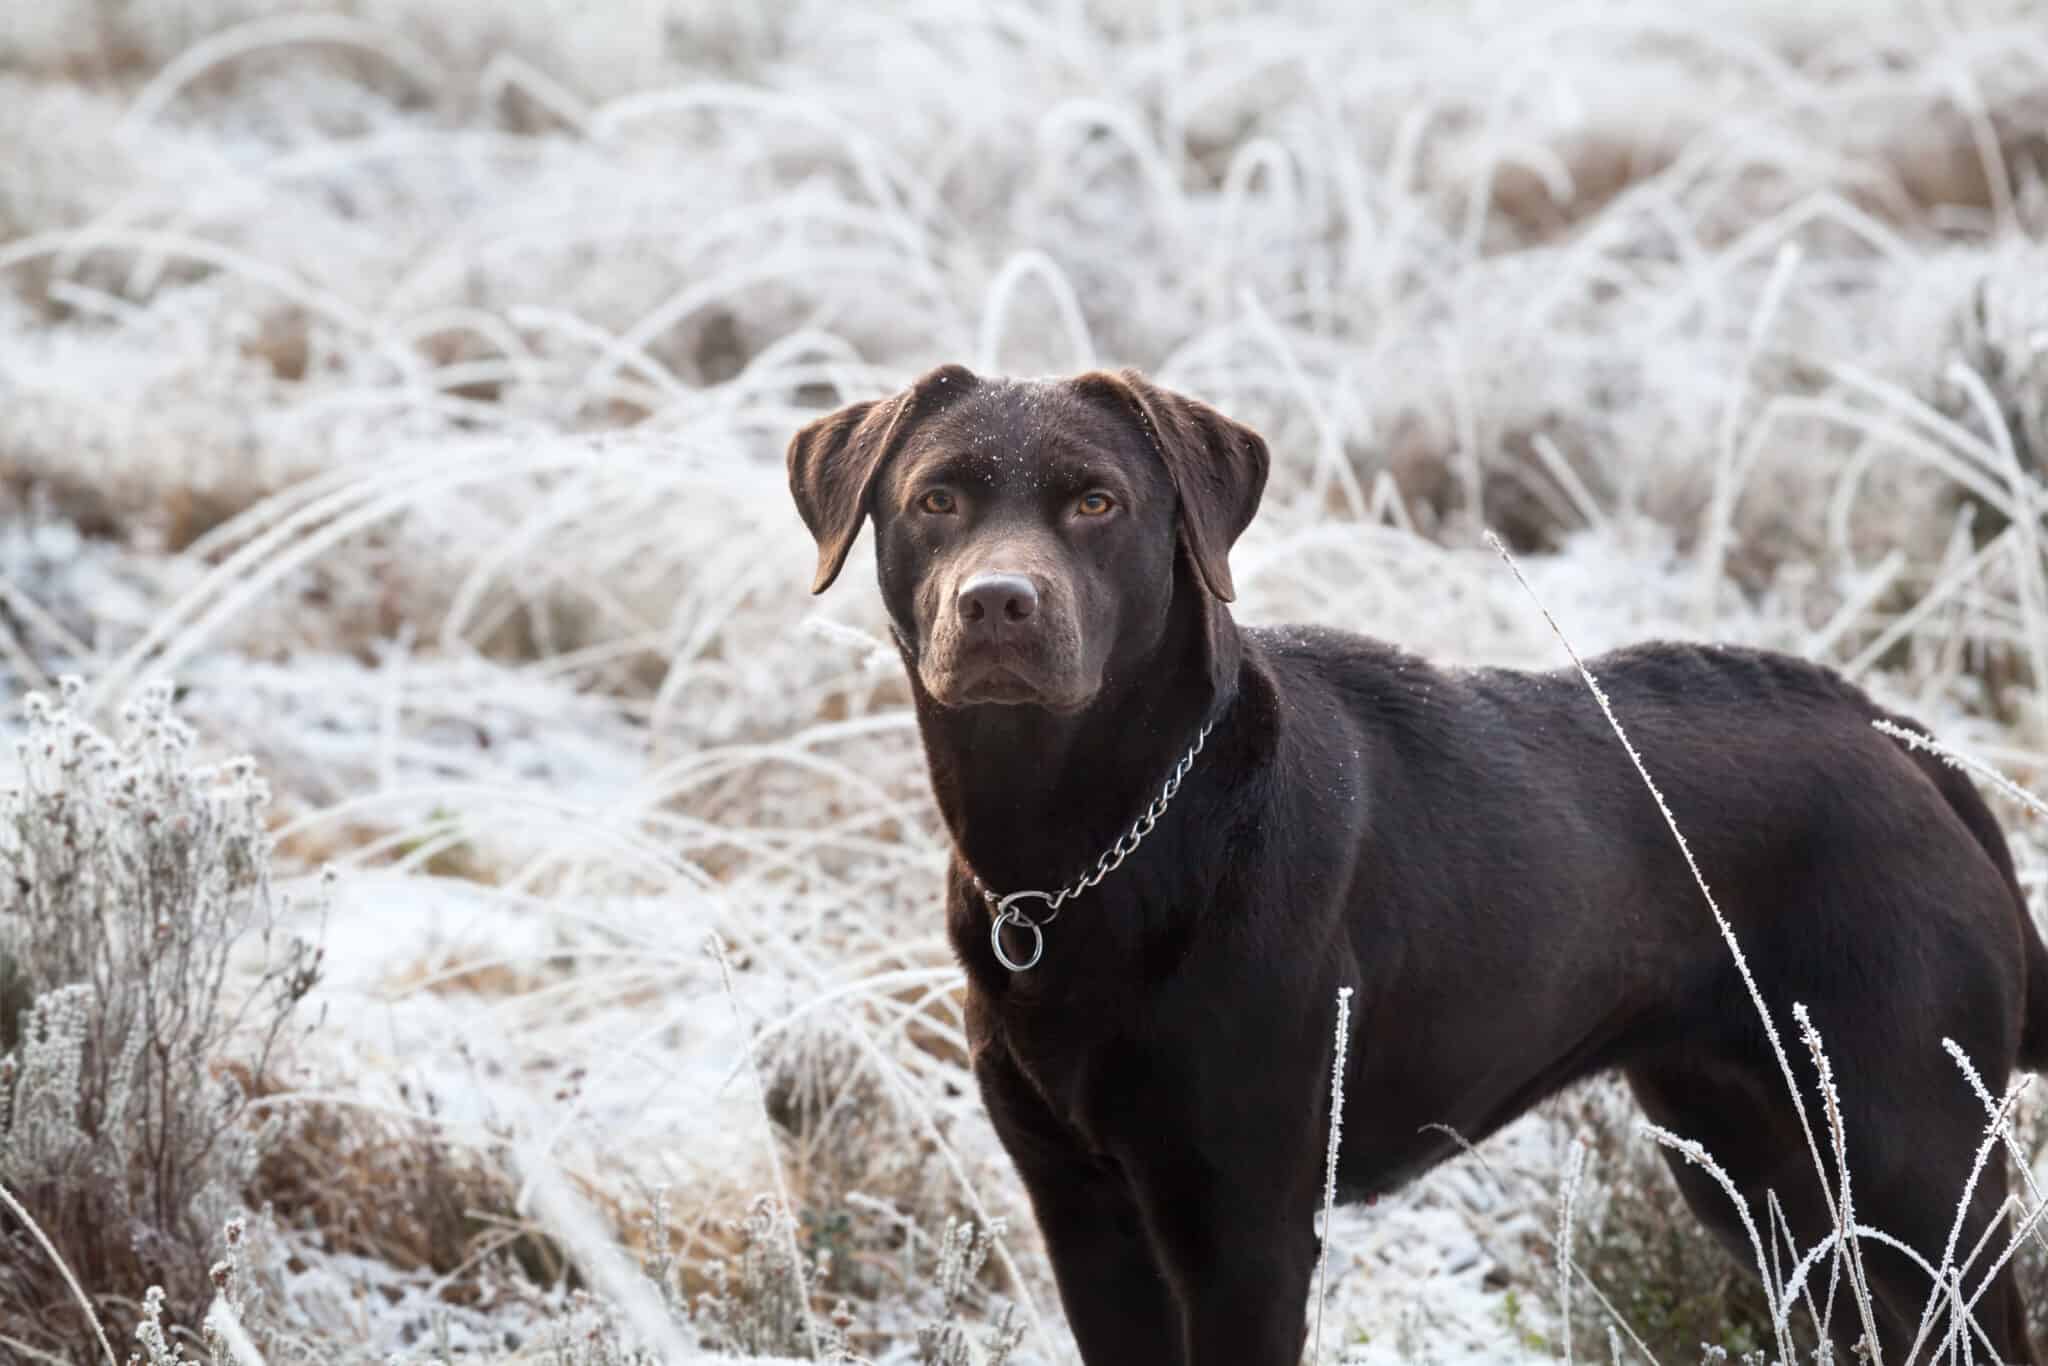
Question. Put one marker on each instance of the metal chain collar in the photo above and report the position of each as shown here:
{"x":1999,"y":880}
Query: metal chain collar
{"x":1005,"y":908}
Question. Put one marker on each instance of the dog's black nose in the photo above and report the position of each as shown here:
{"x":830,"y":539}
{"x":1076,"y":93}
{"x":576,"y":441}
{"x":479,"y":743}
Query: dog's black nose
{"x":990,"y":598}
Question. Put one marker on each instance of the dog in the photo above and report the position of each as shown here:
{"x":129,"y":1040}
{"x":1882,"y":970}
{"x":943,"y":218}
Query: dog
{"x":1175,"y":838}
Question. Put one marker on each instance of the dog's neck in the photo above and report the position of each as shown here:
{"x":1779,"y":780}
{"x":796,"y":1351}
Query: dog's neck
{"x":1033,"y":797}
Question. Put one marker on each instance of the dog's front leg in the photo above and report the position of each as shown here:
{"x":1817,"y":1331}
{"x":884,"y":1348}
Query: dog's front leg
{"x":1115,"y":1293}
{"x":1228,"y":1193}
{"x":1240,"y":1261}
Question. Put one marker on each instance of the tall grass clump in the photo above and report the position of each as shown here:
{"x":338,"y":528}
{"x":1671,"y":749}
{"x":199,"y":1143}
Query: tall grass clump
{"x":131,"y":877}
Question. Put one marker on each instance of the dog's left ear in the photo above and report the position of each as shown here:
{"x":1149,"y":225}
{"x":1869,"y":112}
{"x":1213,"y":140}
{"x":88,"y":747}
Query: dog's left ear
{"x":834,"y":460}
{"x":1218,"y":466}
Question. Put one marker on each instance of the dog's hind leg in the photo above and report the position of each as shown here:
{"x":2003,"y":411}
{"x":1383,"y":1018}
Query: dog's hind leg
{"x":1917,"y":1205}
{"x":1910,"y":1143}
{"x":2016,"y":1335}
{"x":1747,"y":1128}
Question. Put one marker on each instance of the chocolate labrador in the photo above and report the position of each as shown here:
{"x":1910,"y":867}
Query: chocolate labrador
{"x":1175,"y":838}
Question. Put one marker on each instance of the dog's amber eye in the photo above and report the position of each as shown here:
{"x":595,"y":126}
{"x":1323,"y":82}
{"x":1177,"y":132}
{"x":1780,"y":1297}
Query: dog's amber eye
{"x":938,"y":502}
{"x":1095,"y":504}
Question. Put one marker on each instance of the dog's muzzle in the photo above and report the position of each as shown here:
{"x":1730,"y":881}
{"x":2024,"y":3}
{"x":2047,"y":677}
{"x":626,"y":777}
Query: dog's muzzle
{"x":1002,"y":644}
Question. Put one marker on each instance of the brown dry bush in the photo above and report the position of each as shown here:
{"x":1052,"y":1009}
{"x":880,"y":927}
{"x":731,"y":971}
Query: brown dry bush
{"x":863,"y":1177}
{"x":397,"y":1191}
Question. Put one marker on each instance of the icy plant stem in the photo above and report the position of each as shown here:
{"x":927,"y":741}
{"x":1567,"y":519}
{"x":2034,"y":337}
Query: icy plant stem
{"x":92,"y":1317}
{"x":796,"y":1257}
{"x":1574,"y":1174}
{"x":1831,"y":1106}
{"x":1614,"y":1320}
{"x":2001,"y":1120}
{"x":1998,"y":1130}
{"x":1330,"y":1165}
{"x":222,"y":1320}
{"x":1692,"y":1152}
{"x":1956,"y":758}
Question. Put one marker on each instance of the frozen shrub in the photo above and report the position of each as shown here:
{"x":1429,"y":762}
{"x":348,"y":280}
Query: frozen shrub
{"x":590,"y":1335}
{"x":861,"y":1171}
{"x":223,"y":1322}
{"x":129,"y":877}
{"x":752,"y":1305}
{"x":755,"y":1305}
{"x":946,"y":1342}
{"x":753,"y":1308}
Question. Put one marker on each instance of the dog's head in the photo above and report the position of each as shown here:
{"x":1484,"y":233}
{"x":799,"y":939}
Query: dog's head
{"x":1027,"y":530}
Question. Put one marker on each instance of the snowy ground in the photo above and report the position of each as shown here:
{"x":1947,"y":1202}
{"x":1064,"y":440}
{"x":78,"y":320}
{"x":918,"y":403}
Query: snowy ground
{"x":409,"y":381}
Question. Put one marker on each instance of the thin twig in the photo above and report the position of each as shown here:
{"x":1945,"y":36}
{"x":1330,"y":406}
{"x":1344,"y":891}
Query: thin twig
{"x":1956,"y":758}
{"x":1330,"y":1168}
{"x":1574,"y":1173}
{"x":91,"y":1315}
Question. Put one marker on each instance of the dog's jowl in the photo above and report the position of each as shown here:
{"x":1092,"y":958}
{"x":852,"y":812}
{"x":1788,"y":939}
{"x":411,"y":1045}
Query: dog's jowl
{"x":1175,"y":838}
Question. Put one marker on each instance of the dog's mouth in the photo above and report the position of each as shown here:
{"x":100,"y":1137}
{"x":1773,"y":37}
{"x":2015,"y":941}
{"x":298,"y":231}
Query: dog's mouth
{"x":1004,"y":681}
{"x":1000,"y":690}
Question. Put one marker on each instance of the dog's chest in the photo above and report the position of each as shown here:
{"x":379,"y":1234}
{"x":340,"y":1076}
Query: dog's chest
{"x":1079,"y":1067}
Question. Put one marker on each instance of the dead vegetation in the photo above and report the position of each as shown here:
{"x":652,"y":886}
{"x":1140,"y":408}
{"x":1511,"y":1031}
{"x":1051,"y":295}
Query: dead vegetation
{"x":409,"y":381}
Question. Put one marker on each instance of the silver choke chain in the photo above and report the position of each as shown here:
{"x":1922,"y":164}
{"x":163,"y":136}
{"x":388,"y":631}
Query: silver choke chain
{"x":1006,"y":907}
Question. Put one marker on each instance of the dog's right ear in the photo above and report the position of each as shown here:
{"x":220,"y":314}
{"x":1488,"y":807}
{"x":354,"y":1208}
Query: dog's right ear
{"x":834,"y":460}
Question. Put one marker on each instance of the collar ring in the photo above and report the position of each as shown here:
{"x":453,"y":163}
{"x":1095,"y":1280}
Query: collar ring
{"x":1010,"y":915}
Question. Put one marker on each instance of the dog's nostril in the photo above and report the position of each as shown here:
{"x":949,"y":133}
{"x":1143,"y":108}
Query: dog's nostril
{"x":984,"y":596}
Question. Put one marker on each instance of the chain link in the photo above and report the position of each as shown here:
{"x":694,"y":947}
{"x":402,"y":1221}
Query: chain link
{"x":1005,"y":908}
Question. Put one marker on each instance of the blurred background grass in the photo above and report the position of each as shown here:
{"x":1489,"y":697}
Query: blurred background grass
{"x":408,"y":382}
